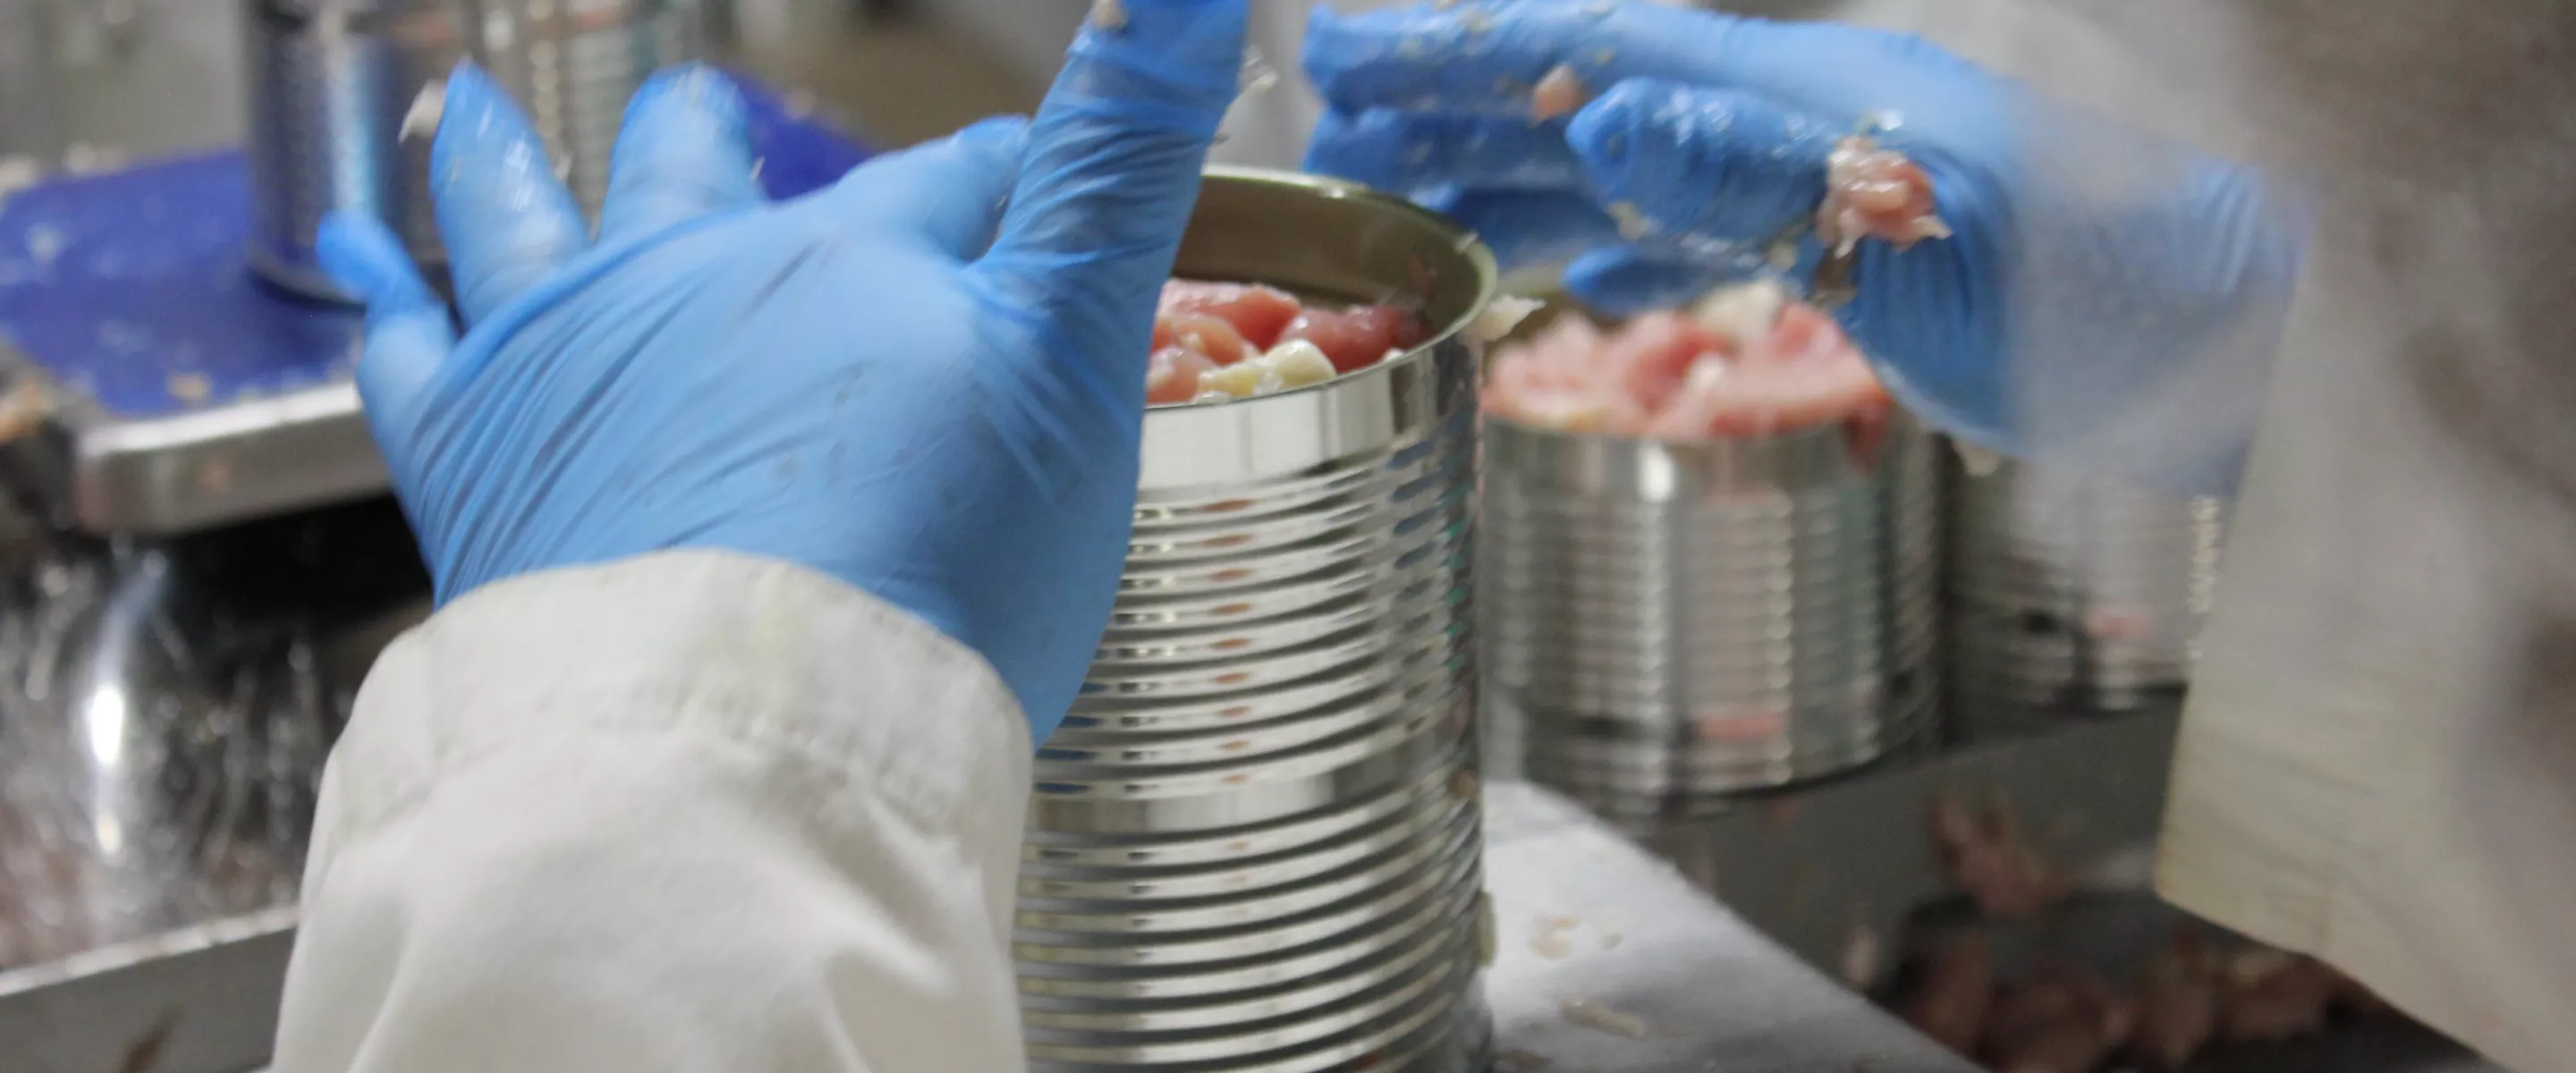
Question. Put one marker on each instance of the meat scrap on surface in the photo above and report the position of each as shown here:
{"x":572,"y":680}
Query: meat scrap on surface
{"x":1984,"y":853}
{"x":2058,"y":1019}
{"x":2178,"y":1002}
{"x":1957,"y":988}
{"x":2061,"y":1019}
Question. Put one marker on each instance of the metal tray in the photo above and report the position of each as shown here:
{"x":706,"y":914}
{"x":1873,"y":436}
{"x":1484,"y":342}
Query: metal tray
{"x":183,"y":393}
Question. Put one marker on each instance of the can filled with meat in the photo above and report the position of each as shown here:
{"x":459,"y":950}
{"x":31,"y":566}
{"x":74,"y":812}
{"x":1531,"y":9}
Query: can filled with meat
{"x":340,"y":121}
{"x":2072,"y":596}
{"x":1256,"y":842}
{"x":1669,"y":624}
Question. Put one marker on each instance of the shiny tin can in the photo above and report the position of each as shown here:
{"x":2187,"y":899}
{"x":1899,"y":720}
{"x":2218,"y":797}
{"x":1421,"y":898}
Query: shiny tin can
{"x":332,"y":83}
{"x":2073,"y":596}
{"x":1256,"y":843}
{"x":1670,"y":625}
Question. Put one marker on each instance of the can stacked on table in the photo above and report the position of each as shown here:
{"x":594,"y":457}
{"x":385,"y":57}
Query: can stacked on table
{"x":1671,"y":625}
{"x":2072,"y":596}
{"x":333,"y":82}
{"x":1256,"y":844}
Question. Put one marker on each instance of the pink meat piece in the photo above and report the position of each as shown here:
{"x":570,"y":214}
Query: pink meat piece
{"x":1358,"y":337}
{"x":1173,"y":375}
{"x":1561,"y":93}
{"x":1877,"y":193}
{"x":1209,"y":334}
{"x":1258,"y":313}
{"x":1654,"y":355}
{"x":1554,"y":381}
{"x":1806,"y":373}
{"x":1668,"y":376}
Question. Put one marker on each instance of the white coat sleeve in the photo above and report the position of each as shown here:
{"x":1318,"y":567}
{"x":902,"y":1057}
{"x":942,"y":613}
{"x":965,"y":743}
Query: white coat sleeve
{"x":693,"y":811}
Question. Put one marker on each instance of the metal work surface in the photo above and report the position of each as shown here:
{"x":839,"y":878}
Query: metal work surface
{"x":188,"y":394}
{"x":1834,"y":871}
{"x":1608,"y":960}
{"x":1649,"y":977}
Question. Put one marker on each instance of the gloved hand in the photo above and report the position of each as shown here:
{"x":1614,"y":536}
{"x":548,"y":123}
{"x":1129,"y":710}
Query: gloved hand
{"x":2090,"y":269}
{"x":891,"y":381}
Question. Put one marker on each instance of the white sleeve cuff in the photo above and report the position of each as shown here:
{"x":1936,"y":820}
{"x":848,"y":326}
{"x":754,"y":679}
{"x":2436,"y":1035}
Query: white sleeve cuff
{"x":692,"y":810}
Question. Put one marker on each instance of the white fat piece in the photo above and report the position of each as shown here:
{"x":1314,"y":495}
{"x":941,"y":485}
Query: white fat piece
{"x":1978,"y":461}
{"x":1499,"y":317}
{"x":1299,"y":363}
{"x":1742,"y":314}
{"x":1240,"y":380}
{"x":427,"y":108}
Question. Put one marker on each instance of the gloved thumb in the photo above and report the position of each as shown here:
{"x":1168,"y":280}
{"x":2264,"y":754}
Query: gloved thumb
{"x":1111,"y":174}
{"x":409,"y":333}
{"x":1713,"y":164}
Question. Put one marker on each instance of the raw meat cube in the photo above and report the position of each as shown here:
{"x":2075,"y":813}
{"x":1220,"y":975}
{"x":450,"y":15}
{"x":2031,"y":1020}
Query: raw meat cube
{"x":1359,"y":337}
{"x":1174,"y":374}
{"x":1875,"y":193}
{"x":1299,"y":363}
{"x":1258,"y":313}
{"x":1208,"y":334}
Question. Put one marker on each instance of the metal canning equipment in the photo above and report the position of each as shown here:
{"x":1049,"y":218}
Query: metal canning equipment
{"x":334,"y":85}
{"x":1256,"y":844}
{"x":1668,"y":625}
{"x":165,"y":708}
{"x":2072,"y":596}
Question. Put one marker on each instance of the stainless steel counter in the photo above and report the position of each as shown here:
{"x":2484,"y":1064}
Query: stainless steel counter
{"x":1606,"y":959}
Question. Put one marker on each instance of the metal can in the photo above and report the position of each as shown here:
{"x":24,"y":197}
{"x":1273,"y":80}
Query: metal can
{"x":1670,"y":625}
{"x":1256,"y":844}
{"x":333,"y":81}
{"x":2072,"y":596}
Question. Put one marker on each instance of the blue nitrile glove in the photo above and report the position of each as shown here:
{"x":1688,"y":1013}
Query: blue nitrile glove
{"x":866,"y":381}
{"x":2101,"y":285}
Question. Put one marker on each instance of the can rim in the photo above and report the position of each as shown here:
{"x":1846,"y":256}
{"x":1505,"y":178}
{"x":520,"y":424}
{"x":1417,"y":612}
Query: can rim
{"x":1480,"y":259}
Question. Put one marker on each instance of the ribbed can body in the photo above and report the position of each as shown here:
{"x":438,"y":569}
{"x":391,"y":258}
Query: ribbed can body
{"x":331,"y":82}
{"x":2072,"y":596}
{"x":1668,"y":625}
{"x":1256,"y":843}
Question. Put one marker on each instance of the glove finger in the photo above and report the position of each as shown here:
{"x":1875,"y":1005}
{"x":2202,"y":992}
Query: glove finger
{"x":1711,"y":163}
{"x":1110,"y":177}
{"x":1394,"y":150}
{"x":507,"y":220}
{"x":1526,"y":228}
{"x":409,"y":334}
{"x":949,"y":192}
{"x":1488,"y":56}
{"x":1627,"y":281}
{"x":682,"y":153}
